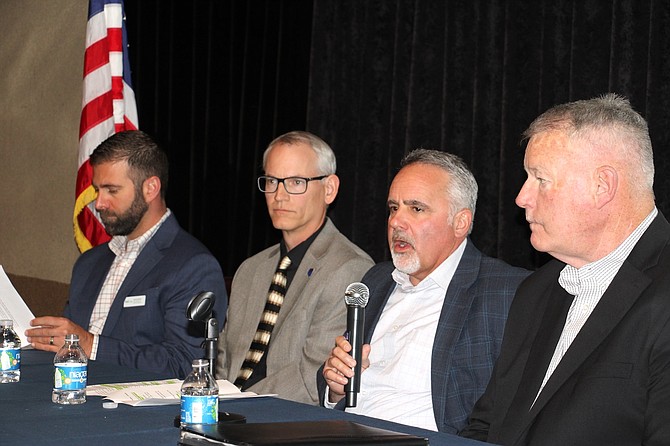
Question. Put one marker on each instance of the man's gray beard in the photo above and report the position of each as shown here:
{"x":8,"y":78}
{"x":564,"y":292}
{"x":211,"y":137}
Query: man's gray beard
{"x":407,"y":263}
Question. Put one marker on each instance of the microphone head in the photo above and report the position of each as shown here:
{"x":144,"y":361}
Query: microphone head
{"x":200,"y":307}
{"x":357,"y":295}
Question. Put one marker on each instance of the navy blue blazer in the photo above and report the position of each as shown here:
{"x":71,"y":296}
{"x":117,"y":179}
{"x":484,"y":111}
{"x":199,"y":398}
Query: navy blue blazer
{"x":469,"y":331}
{"x":156,"y":335}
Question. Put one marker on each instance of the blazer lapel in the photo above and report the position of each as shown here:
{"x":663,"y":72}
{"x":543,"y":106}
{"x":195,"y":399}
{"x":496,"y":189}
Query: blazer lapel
{"x":145,"y":262}
{"x":149,"y":257}
{"x":622,"y":293}
{"x":259,"y":290}
{"x":381,"y":285}
{"x":91,"y":287}
{"x":619,"y":297}
{"x":309,"y":265}
{"x":298,"y":285}
{"x":549,"y":331}
{"x":457,"y":303}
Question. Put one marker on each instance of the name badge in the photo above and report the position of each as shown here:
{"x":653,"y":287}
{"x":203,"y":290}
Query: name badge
{"x":134,"y":301}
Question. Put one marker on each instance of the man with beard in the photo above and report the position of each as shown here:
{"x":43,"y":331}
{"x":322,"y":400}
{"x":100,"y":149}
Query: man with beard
{"x":128,"y":297}
{"x":434,"y":321}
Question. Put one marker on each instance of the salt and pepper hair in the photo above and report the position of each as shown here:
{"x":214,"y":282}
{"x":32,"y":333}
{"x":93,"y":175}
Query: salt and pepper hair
{"x":608,"y":121}
{"x":325,"y":164}
{"x":462,"y":187}
{"x":143,"y":155}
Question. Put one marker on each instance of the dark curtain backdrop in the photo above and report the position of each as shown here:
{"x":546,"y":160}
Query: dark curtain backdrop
{"x":216,"y":81}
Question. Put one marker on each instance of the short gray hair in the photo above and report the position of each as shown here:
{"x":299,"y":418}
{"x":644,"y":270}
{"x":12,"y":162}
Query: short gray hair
{"x":619,"y":123}
{"x":326,"y":163}
{"x":462,"y":186}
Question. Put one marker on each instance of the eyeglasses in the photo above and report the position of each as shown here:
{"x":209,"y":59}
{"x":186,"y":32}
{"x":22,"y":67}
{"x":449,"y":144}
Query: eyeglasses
{"x":293,"y":185}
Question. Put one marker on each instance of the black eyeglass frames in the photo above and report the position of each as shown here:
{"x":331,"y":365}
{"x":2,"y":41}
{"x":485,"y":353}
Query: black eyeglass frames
{"x":293,"y":185}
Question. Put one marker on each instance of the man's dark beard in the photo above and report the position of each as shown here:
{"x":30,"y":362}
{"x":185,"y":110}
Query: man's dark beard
{"x":126,"y":223}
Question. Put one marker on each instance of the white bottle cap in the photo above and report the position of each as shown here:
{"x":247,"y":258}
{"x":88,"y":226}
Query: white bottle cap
{"x":109,"y":405}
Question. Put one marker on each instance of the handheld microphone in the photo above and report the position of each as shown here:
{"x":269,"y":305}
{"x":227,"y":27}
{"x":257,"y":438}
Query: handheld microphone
{"x":356,"y":298}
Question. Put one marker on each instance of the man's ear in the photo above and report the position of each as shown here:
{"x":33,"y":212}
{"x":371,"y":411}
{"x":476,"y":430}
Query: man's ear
{"x":331,"y":186}
{"x":607,"y":183}
{"x":151,"y":188}
{"x":462,"y":222}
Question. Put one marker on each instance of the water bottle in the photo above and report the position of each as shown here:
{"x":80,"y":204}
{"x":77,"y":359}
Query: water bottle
{"x":10,"y":353}
{"x":199,"y":396}
{"x":70,"y":373}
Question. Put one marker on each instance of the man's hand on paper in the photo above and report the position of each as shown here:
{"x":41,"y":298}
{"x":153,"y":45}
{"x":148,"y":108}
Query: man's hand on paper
{"x":49,"y":334}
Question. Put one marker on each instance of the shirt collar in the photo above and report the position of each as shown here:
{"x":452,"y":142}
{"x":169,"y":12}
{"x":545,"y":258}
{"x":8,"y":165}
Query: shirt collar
{"x":601,"y":272}
{"x":120,"y":244}
{"x":298,"y":252}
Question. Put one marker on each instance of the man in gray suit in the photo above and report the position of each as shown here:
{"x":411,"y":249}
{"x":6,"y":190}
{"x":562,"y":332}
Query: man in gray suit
{"x":434,"y":321}
{"x":276,"y":345}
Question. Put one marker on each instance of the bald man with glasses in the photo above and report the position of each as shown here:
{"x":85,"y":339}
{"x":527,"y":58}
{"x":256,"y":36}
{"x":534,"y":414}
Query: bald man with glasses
{"x":286,"y":303}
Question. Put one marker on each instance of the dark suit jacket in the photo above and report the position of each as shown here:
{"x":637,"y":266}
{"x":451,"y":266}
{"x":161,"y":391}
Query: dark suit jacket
{"x":171,"y":269}
{"x":612,"y":387}
{"x":468,"y":335}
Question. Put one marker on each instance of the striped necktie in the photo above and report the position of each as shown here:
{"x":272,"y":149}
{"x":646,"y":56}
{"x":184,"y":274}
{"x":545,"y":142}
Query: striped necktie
{"x":261,"y":339}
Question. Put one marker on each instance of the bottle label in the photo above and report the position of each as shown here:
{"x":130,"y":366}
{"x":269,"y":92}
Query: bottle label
{"x":200,"y":409}
{"x":10,"y":359}
{"x":70,"y":376}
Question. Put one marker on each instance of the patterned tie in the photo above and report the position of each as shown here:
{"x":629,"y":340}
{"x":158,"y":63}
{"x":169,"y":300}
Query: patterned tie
{"x":262,"y":337}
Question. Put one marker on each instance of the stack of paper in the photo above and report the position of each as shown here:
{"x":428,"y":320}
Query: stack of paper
{"x":156,"y":393}
{"x":13,"y":307}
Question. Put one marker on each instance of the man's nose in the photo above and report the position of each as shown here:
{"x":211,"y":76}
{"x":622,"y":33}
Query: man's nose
{"x":281,"y":193}
{"x":523,"y":199}
{"x":397,"y":219}
{"x":100,"y":202}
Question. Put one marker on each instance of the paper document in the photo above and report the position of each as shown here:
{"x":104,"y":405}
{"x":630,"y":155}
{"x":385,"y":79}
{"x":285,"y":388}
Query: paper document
{"x":13,"y":307}
{"x":157,"y":393}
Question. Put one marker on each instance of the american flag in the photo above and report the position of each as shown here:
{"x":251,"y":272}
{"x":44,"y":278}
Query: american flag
{"x":108,"y":107}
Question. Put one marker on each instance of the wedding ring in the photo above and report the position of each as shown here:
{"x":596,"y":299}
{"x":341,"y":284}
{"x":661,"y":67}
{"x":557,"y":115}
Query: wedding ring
{"x":51,"y":340}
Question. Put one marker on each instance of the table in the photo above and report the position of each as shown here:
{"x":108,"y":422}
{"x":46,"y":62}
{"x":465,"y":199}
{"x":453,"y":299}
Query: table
{"x":32,"y":419}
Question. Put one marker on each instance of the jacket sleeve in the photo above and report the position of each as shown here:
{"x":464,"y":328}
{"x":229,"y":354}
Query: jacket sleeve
{"x":162,"y":339}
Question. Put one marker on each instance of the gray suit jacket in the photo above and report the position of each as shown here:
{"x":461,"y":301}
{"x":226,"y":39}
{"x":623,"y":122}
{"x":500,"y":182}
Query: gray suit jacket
{"x":312,"y":315}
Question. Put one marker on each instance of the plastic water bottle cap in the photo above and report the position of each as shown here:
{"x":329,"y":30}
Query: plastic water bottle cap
{"x":109,"y":405}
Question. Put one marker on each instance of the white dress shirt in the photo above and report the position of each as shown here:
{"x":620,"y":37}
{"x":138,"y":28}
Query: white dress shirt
{"x":397,"y":385}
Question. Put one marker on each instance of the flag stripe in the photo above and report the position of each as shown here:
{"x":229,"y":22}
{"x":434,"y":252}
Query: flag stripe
{"x":95,"y":112}
{"x":108,"y":106}
{"x":97,"y":83}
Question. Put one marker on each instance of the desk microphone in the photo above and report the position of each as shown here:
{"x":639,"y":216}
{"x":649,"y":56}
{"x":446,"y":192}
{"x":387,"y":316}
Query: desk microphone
{"x":200,"y":310}
{"x":356,"y":298}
